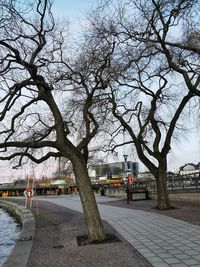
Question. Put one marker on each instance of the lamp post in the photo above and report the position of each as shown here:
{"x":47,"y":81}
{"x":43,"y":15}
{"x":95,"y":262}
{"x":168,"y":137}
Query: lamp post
{"x":125,"y":157}
{"x":125,"y":170}
{"x":125,"y":163}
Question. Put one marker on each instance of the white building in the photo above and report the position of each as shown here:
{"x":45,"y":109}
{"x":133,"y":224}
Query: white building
{"x":190,"y":168}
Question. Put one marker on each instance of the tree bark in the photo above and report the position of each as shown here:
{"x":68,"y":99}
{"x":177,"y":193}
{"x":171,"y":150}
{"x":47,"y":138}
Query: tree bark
{"x":91,"y":212}
{"x":160,"y":174}
{"x":163,"y":202}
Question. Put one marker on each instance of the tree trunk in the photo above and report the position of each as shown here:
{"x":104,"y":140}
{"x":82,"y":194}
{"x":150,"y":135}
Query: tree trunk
{"x":90,"y":209}
{"x":163,"y":202}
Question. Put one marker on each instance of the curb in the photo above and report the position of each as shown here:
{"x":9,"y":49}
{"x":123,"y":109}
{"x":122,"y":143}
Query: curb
{"x":21,"y":251}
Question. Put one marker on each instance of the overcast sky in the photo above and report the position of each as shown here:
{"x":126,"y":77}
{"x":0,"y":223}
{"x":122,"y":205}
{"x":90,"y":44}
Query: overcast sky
{"x":185,"y":151}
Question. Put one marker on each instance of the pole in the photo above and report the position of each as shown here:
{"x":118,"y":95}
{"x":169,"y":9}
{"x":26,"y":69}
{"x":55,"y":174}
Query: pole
{"x":34,"y":188}
{"x":125,"y":167}
{"x":26,"y":201}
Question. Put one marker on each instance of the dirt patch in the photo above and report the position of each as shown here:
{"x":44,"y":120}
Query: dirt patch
{"x":110,"y":238}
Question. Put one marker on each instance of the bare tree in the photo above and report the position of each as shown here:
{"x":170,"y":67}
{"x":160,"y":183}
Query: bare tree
{"x":153,"y":74}
{"x":45,"y":99}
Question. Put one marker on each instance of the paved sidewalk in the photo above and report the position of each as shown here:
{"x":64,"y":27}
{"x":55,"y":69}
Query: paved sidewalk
{"x":162,"y":240}
{"x":55,"y":241}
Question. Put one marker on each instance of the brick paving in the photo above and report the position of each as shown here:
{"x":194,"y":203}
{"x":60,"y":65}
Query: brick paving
{"x":188,"y":211}
{"x":153,"y":239}
{"x":55,"y":243}
{"x":162,"y":240}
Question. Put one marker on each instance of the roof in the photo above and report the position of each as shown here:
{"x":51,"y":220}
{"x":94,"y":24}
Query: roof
{"x":196,"y":166}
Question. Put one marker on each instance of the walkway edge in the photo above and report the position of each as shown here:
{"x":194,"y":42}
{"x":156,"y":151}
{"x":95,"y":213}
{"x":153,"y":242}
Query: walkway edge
{"x":21,"y":251}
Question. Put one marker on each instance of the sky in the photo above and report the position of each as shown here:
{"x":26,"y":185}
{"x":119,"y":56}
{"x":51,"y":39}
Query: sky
{"x":72,"y":10}
{"x":185,"y":151}
{"x":187,"y":148}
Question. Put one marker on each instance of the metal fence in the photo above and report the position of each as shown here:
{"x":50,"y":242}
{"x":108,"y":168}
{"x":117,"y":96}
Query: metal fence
{"x":174,"y":183}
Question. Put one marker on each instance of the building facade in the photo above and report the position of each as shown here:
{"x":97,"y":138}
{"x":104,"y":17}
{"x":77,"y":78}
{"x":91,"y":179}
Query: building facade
{"x":116,"y":170}
{"x":190,"y":168}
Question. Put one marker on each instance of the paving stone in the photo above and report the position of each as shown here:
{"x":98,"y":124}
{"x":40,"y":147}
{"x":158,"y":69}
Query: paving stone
{"x":155,"y":260}
{"x":179,"y":239}
{"x":197,"y":248}
{"x":191,"y":261}
{"x":139,"y":246}
{"x":161,"y":264}
{"x":150,"y":230}
{"x":196,"y":257}
{"x":193,"y":245}
{"x":60,"y":225}
{"x":164,"y":255}
{"x":144,"y":250}
{"x":182,"y":256}
{"x":159,"y":251}
{"x":153,"y":247}
{"x":174,"y":251}
{"x":192,"y":252}
{"x":184,"y":248}
{"x":178,"y":265}
{"x":172,"y":260}
{"x":169,"y":247}
{"x":148,"y":254}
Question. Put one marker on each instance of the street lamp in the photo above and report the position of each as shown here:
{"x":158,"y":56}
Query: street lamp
{"x":125,"y":157}
{"x":125,"y":170}
{"x":125,"y":164}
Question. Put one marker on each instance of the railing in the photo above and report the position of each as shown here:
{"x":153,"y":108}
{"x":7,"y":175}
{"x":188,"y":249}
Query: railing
{"x":174,"y":183}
